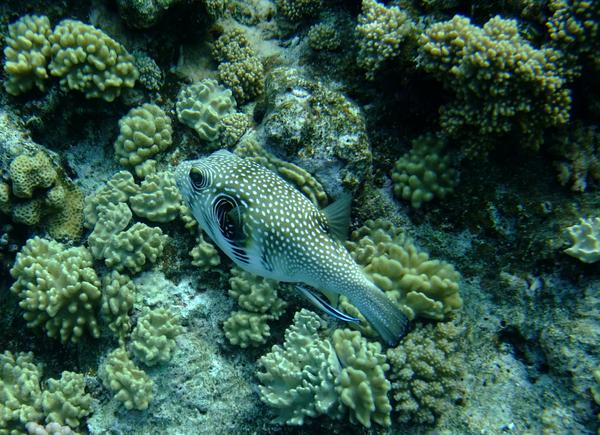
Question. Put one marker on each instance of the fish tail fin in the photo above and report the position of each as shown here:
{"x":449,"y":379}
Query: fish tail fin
{"x":387,"y":319}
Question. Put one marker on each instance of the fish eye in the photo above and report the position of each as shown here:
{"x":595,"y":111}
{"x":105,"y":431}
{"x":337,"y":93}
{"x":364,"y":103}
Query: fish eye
{"x":197,"y":178}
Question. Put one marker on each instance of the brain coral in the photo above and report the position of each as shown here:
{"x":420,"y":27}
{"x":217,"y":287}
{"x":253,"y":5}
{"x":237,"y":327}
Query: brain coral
{"x":58,"y":288}
{"x":88,"y":60}
{"x":501,"y":83}
{"x":203,"y":106}
{"x":26,"y":54}
{"x":144,"y":132}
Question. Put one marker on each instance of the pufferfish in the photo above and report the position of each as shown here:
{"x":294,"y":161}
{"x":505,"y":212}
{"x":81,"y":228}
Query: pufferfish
{"x":269,"y":228}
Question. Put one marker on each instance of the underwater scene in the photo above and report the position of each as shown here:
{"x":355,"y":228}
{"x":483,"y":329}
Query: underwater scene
{"x":299,"y":217}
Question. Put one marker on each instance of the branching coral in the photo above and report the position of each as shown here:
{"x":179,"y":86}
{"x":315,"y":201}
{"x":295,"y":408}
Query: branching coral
{"x":204,"y":254}
{"x":580,"y":150}
{"x":58,"y":288}
{"x":585,"y":237}
{"x":89,"y":61}
{"x":384,"y":33}
{"x":203,"y":106}
{"x":159,"y":199}
{"x":312,"y":375}
{"x":259,"y":302}
{"x":131,"y":385}
{"x":118,"y":296}
{"x":426,"y":373}
{"x":424,"y":172}
{"x":296,"y":10}
{"x":501,"y":83}
{"x":144,"y":132}
{"x":65,"y":401}
{"x":419,"y":285}
{"x":27,"y":52}
{"x":153,"y":339}
{"x":240,"y":69}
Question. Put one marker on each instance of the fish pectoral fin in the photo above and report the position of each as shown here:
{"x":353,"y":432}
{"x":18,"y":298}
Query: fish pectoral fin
{"x":325,"y":306}
{"x":337,"y":215}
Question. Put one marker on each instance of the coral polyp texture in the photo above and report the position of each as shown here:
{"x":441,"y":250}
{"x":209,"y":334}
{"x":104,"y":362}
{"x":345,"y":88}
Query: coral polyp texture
{"x":419,"y":285}
{"x":89,"y":61}
{"x":384,"y":34}
{"x":501,"y":83}
{"x":131,"y":385}
{"x":143,"y":132}
{"x":158,"y":199}
{"x":312,"y":375}
{"x":258,"y":299}
{"x":425,"y":172}
{"x":240,"y":68}
{"x":58,"y":289}
{"x":203,"y":106}
{"x":296,"y":10}
{"x":585,"y":237}
{"x":426,"y":372}
{"x":153,"y":339}
{"x":27,"y":53}
{"x":65,"y":401}
{"x":118,"y":296}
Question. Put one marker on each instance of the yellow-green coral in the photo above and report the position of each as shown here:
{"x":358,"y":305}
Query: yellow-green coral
{"x":143,"y":132}
{"x":240,"y":69}
{"x":585,"y":238}
{"x":204,"y":254}
{"x":501,"y":83}
{"x":118,"y":189}
{"x":361,"y":384}
{"x":20,"y":395}
{"x":296,"y":10}
{"x":65,"y":401}
{"x":426,"y":371}
{"x":153,"y":338}
{"x":131,"y":385}
{"x":203,"y":106}
{"x":158,"y":199}
{"x":26,"y":54}
{"x":118,"y":296}
{"x":419,"y":285}
{"x":424,"y":172}
{"x":58,"y":288}
{"x":112,"y":219}
{"x":324,"y":36}
{"x":298,"y":378}
{"x":258,"y":299}
{"x":134,"y":248}
{"x":89,"y":61}
{"x":384,"y":33}
{"x":31,"y":173}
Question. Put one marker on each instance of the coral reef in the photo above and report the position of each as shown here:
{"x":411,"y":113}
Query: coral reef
{"x":20,"y":394}
{"x":296,"y":10}
{"x":578,"y":150}
{"x":425,"y":172}
{"x":27,"y":52}
{"x":65,"y":401}
{"x":426,"y":371}
{"x":298,"y":378}
{"x":311,"y":375}
{"x":134,"y":248}
{"x":421,"y":286}
{"x":384,"y":33}
{"x":203,"y":106}
{"x":258,"y":299}
{"x":501,"y":83}
{"x":204,"y":254}
{"x":118,"y":296}
{"x":153,"y":338}
{"x":324,"y":36}
{"x":158,"y":199}
{"x":144,"y":132}
{"x":117,"y":189}
{"x":240,"y":69}
{"x":131,"y":385}
{"x":585,"y":238}
{"x":89,"y":61}
{"x":58,"y":289}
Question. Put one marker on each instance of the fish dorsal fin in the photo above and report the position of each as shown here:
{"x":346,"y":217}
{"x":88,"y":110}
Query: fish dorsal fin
{"x":337,"y":215}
